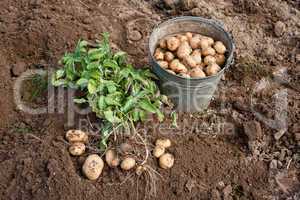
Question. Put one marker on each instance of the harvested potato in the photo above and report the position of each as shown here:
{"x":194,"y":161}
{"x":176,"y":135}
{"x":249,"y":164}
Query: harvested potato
{"x":111,"y":158}
{"x":220,"y":59}
{"x":196,"y":54}
{"x":76,"y":136}
{"x":204,"y":44}
{"x":220,"y":47}
{"x":182,"y":38}
{"x":128,"y":163}
{"x":163,"y":43}
{"x":159,"y":54}
{"x":126,"y":148}
{"x":173,"y":43}
{"x":189,"y":61}
{"x":77,"y":149}
{"x":209,"y":51}
{"x":92,"y":167}
{"x":201,"y":66}
{"x":166,"y":143}
{"x":184,"y":50}
{"x":195,"y":42}
{"x":166,"y":161}
{"x":163,"y":64}
{"x":189,"y":35}
{"x":169,"y":56}
{"x":158,"y":151}
{"x":177,"y":66}
{"x":212,"y":69}
{"x":209,"y":40}
{"x":185,"y":75}
{"x":197,"y":73}
{"x":209,"y":59}
{"x":171,"y":72}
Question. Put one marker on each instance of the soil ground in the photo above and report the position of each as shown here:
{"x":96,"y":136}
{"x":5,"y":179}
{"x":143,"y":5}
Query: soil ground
{"x":240,"y":160}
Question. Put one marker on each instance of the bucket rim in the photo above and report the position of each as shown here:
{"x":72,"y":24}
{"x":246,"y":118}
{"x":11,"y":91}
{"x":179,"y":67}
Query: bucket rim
{"x":216,"y":24}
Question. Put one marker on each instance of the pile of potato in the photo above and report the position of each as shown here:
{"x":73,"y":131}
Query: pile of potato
{"x":77,"y":139}
{"x":190,"y":55}
{"x":166,"y":160}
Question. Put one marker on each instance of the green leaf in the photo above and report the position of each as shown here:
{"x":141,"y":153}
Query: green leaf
{"x":101,"y":103}
{"x":147,"y":105}
{"x":80,"y":100}
{"x":160,"y":115}
{"x":92,"y":65}
{"x":109,"y":116}
{"x":82,"y":82}
{"x":174,"y":119}
{"x":110,"y":63}
{"x":60,"y":73}
{"x":143,"y":115}
{"x":92,"y":87}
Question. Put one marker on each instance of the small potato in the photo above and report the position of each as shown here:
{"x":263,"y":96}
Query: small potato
{"x":126,"y":148}
{"x":159,"y":54}
{"x":185,"y":75}
{"x":177,"y":66}
{"x":110,"y":157}
{"x":197,"y":73}
{"x":166,"y":143}
{"x":212,"y":69}
{"x":209,"y":40}
{"x":204,"y":44}
{"x":77,"y":149}
{"x":166,"y":161}
{"x":171,"y":72}
{"x":169,"y":56}
{"x":220,"y":59}
{"x":220,"y":47}
{"x":139,"y":170}
{"x":163,"y":43}
{"x":76,"y":136}
{"x":195,"y":42}
{"x":209,"y":59}
{"x":209,"y":51}
{"x":184,"y":50}
{"x":92,"y":167}
{"x":173,"y":43}
{"x":163,"y":64}
{"x":196,"y":54}
{"x":182,"y":38}
{"x":189,"y":35}
{"x":128,"y":163}
{"x":189,"y":61}
{"x":158,"y":151}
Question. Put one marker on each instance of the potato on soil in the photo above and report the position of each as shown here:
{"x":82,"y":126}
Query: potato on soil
{"x":126,"y":148}
{"x":220,"y":59}
{"x":159,"y":54}
{"x":189,"y":61}
{"x":184,"y":50}
{"x":111,"y":158}
{"x":219,"y":47}
{"x":76,"y":136}
{"x":197,"y":73}
{"x":212,"y":69}
{"x":158,"y":151}
{"x":173,"y":43}
{"x":166,"y":161}
{"x":77,"y":149}
{"x":163,"y":43}
{"x":177,"y":66}
{"x":169,"y":56}
{"x":196,"y":54}
{"x":209,"y":60}
{"x":92,"y":167}
{"x":163,"y":64}
{"x":209,"y":51}
{"x":166,"y":143}
{"x":128,"y":163}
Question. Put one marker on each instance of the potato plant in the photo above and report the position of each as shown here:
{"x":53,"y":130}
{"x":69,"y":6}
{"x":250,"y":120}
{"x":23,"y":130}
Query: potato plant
{"x":117,"y":92}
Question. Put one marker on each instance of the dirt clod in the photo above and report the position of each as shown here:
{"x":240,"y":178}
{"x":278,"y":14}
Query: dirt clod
{"x":215,"y":195}
{"x":253,"y":130}
{"x":18,"y":68}
{"x":279,"y":28}
{"x":227,"y":192}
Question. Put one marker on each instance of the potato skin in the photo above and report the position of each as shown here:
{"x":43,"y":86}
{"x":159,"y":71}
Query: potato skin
{"x":184,"y":50}
{"x":189,"y":61}
{"x":173,"y":43}
{"x":166,"y":161}
{"x":219,"y":47}
{"x":163,"y":43}
{"x":212,"y":69}
{"x":182,"y":38}
{"x":128,"y":163}
{"x":76,"y":136}
{"x":177,"y":66}
{"x":209,"y":51}
{"x":204,"y":44}
{"x":166,"y":143}
{"x":196,"y":54}
{"x":110,"y":157}
{"x":169,"y":56}
{"x":195,"y":42}
{"x":158,"y":151}
{"x":189,"y":35}
{"x":93,"y":166}
{"x":197,"y":73}
{"x":159,"y":54}
{"x":209,"y":59}
{"x":220,"y":59}
{"x":77,"y":149}
{"x":163,"y":64}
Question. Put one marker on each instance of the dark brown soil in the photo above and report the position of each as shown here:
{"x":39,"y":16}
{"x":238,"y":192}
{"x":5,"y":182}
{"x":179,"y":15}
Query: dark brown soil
{"x":34,"y":160}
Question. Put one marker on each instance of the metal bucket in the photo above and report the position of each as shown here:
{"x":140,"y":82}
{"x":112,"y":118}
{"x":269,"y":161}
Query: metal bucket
{"x":190,"y":94}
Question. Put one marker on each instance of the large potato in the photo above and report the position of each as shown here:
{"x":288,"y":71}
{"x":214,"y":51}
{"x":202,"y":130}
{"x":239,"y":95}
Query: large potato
{"x":196,"y":54}
{"x":220,"y":59}
{"x":195,"y":42}
{"x":220,"y":47}
{"x":189,"y":61}
{"x":209,"y":59}
{"x":212,"y":69}
{"x":197,"y":73}
{"x":184,"y":50}
{"x":166,"y":161}
{"x":76,"y":136}
{"x":77,"y":149}
{"x":177,"y":66}
{"x":92,"y":167}
{"x":169,"y":56}
{"x":173,"y":43}
{"x":209,"y":51}
{"x":163,"y":64}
